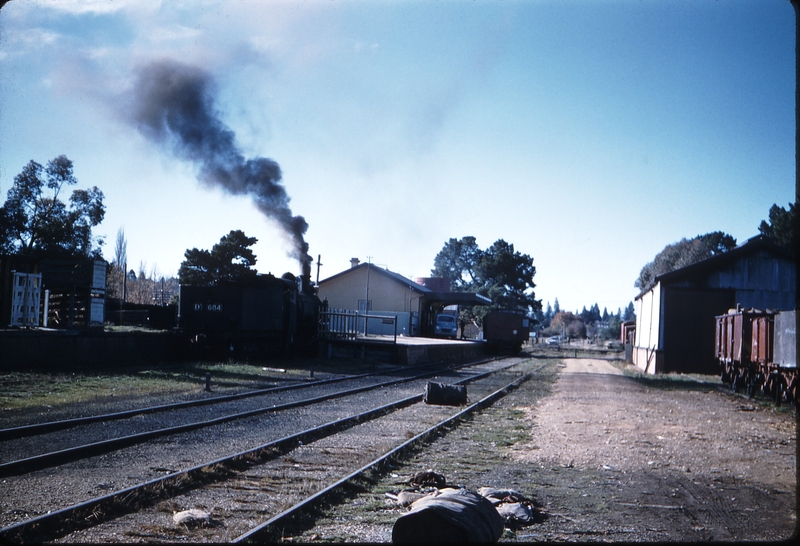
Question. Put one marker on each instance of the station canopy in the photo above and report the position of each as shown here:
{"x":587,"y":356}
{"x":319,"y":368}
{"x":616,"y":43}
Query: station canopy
{"x":462,"y":299}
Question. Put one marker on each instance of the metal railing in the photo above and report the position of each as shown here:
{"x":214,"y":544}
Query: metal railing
{"x":351,"y":324}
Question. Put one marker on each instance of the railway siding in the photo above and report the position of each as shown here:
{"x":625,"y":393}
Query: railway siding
{"x":35,"y":493}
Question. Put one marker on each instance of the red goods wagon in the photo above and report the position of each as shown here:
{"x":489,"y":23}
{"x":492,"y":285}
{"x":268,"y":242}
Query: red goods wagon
{"x":757,"y":350}
{"x":733,"y":347}
{"x":762,"y":338}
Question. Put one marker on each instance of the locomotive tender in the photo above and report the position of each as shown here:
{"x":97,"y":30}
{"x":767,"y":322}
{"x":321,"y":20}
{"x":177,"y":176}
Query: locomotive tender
{"x":257,"y":316}
{"x":757,"y":350}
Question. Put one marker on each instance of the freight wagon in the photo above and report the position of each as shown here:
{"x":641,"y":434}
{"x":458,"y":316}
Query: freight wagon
{"x":757,"y":351}
{"x":505,"y":330}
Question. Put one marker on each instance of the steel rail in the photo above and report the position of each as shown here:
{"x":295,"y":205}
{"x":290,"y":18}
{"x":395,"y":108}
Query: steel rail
{"x":56,"y":458}
{"x":46,"y":460}
{"x":13,"y":433}
{"x":268,"y":531}
{"x":92,"y":512}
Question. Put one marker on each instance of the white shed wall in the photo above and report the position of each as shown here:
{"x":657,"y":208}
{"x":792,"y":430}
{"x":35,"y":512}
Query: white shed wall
{"x":648,"y":330}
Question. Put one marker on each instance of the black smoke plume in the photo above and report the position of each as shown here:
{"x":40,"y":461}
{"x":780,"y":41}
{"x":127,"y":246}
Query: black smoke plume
{"x":173,"y":105}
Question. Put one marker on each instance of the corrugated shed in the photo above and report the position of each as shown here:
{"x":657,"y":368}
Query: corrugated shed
{"x":681,"y":307}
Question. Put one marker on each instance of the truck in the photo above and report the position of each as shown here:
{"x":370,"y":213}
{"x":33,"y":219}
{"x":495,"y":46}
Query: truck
{"x":446,"y":325}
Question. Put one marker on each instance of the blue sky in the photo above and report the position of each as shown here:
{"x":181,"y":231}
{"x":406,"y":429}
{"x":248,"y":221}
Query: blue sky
{"x":590,"y":134}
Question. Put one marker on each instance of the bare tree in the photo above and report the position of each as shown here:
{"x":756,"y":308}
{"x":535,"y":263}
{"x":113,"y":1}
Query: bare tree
{"x":121,"y":249}
{"x":115,"y":282}
{"x":139,"y":290}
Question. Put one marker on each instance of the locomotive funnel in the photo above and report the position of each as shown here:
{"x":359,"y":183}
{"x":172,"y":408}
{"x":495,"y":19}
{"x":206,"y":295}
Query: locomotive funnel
{"x":306,"y":277}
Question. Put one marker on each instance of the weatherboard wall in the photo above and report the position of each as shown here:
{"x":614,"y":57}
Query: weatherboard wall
{"x":349,"y":289}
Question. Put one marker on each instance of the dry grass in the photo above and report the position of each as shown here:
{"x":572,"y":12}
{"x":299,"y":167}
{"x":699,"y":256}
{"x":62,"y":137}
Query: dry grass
{"x":32,"y":390}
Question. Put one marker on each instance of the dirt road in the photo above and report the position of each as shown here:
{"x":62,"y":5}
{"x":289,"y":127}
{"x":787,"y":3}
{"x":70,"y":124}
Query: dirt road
{"x":612,"y":458}
{"x":669,"y":461}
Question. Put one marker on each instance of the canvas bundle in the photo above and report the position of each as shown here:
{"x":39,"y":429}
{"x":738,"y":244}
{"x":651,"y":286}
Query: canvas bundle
{"x":442,"y":394}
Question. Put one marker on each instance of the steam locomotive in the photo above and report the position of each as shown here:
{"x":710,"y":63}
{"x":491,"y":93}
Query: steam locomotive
{"x":259,"y":316}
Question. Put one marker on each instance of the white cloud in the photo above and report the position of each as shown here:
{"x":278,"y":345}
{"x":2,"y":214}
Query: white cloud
{"x":98,"y":53}
{"x":360,"y":46}
{"x":263,"y":44}
{"x":29,"y":38}
{"x":173,"y":33}
{"x":98,"y":6}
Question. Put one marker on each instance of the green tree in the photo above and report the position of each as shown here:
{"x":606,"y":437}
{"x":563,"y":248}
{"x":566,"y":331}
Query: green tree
{"x":717,"y":242}
{"x":231,"y":259}
{"x":547,"y":316}
{"x":781,"y":227}
{"x":614,"y":325}
{"x":499,"y":273}
{"x":34,"y":221}
{"x":457,"y":262}
{"x":683,"y":253}
{"x":630,"y":313}
{"x":506,"y":276}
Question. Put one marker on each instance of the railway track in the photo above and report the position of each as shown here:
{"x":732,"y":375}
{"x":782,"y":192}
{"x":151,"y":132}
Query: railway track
{"x":400,"y":401}
{"x":26,"y":456}
{"x":34,"y":429}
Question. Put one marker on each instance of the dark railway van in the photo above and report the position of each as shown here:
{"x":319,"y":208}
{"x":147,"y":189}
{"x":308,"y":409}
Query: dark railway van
{"x":505,"y":330}
{"x":259,"y":316}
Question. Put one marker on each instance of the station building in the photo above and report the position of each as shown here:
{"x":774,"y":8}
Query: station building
{"x":368,"y":288}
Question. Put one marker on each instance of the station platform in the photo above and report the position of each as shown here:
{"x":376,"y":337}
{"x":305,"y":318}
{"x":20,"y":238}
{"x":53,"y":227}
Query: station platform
{"x":405,"y":351}
{"x":57,"y":349}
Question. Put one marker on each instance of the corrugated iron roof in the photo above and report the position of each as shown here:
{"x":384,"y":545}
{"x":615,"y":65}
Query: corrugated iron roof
{"x":751,"y":245}
{"x":390,"y":274}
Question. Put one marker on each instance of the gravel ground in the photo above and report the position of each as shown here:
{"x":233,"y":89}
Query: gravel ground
{"x":610,"y":458}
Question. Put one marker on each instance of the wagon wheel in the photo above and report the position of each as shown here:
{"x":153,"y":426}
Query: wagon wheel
{"x":778,"y":391}
{"x":792,"y":391}
{"x":738,"y":381}
{"x":733,"y":373}
{"x":757,"y":384}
